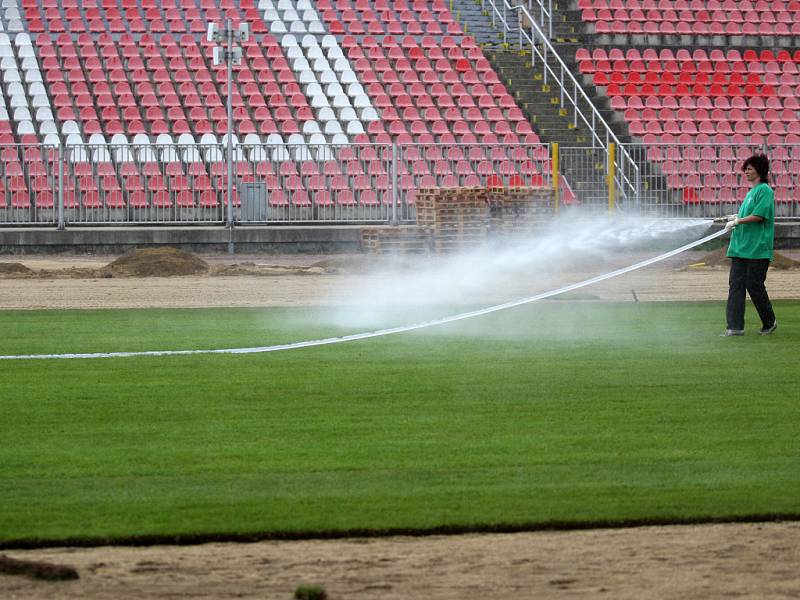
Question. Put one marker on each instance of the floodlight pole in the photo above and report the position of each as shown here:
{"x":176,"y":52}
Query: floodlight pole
{"x":229,"y":61}
{"x":230,"y":56}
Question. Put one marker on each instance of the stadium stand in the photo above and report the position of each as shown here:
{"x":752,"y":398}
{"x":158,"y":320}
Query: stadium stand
{"x":692,"y":17}
{"x":119,"y":82}
{"x":128,"y":91}
{"x":685,"y":87}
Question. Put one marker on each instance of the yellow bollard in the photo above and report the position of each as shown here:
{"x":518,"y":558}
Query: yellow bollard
{"x":556,"y":175}
{"x":612,"y":151}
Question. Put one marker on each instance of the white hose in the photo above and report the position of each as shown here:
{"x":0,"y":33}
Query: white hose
{"x":382,"y":332}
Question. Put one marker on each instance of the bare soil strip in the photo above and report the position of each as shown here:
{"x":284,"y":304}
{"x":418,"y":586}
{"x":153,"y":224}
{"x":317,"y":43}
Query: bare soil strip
{"x":703,"y":561}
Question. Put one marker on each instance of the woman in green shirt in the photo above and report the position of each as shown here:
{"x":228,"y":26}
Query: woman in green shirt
{"x":751,"y":249}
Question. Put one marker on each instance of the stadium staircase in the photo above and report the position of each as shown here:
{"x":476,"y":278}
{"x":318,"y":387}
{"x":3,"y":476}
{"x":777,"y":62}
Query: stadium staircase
{"x":700,"y":84}
{"x":540,"y":101}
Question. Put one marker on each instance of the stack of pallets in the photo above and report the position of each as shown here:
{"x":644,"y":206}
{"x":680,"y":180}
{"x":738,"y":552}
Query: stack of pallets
{"x":516,"y":211}
{"x":456,"y":218}
{"x":396,"y":240}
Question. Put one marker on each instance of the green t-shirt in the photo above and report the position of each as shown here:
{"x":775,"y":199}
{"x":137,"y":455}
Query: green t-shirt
{"x":755,"y":240}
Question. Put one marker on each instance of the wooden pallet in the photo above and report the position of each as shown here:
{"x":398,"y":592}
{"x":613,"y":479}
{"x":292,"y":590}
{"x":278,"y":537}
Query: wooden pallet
{"x":400,"y":240}
{"x":520,"y":210}
{"x":458,"y":219}
{"x":462,"y":208}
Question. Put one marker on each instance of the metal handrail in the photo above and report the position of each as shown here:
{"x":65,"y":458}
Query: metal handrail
{"x":628,"y":183}
{"x":545,"y":15}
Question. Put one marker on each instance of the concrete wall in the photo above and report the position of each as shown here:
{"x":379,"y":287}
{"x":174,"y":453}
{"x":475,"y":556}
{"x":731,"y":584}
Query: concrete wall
{"x":267,"y":240}
{"x":192,"y":239}
{"x":787,"y":235}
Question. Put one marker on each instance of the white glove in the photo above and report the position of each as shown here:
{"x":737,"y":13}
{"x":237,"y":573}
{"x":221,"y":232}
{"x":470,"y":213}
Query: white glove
{"x":731,"y":217}
{"x":731,"y":224}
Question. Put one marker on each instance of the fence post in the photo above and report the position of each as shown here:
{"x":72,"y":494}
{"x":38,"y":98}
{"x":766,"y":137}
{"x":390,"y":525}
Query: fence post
{"x":638,"y":164}
{"x":229,"y":83}
{"x":60,"y":193}
{"x":556,"y":176}
{"x":611,"y":177}
{"x":394,"y":183}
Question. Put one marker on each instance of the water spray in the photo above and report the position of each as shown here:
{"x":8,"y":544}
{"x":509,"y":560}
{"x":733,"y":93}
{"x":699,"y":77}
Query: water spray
{"x":386,"y":331}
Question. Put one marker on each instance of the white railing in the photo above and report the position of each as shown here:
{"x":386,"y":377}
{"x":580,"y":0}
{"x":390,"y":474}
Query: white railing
{"x":627,"y":171}
{"x":545,"y":14}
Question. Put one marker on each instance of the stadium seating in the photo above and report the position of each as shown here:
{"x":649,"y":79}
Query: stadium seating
{"x":701,"y":112}
{"x":733,"y":18}
{"x":132,"y":78}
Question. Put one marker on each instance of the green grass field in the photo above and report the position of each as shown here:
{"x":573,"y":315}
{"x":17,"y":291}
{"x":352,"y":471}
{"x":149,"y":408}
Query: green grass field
{"x":552,"y":413}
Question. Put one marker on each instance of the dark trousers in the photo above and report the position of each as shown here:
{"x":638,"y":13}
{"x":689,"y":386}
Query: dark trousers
{"x":748,"y":275}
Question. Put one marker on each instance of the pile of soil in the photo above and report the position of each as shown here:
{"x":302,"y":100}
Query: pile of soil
{"x":784,"y":262}
{"x":15,"y":270}
{"x":156,"y":262}
{"x":717,"y":259}
{"x":250,"y":269}
{"x":37,"y":569}
{"x":161,"y":262}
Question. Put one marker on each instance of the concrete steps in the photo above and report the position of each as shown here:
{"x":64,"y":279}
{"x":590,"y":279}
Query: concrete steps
{"x":540,"y":101}
{"x":541,"y":104}
{"x":477,"y":22}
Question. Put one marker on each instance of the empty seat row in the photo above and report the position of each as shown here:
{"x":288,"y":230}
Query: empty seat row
{"x":751,"y":115}
{"x":705,"y":102}
{"x":729,"y":170}
{"x":714,"y":90}
{"x":731,"y":55}
{"x":694,"y":5}
{"x":390,"y":18}
{"x":688,"y":16}
{"x":785,"y":158}
{"x":696,"y":192}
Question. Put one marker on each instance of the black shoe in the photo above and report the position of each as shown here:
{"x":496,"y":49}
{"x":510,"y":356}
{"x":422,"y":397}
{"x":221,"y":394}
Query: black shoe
{"x":768,"y":330}
{"x":732,"y":332}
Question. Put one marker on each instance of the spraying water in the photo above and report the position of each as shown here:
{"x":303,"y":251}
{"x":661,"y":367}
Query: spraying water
{"x":508,"y":269}
{"x":601,"y":239}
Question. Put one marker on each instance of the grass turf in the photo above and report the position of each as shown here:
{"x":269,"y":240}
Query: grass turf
{"x":554,"y":412}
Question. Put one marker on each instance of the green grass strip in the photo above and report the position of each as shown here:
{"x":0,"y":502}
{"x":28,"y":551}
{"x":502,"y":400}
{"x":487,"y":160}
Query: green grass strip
{"x":558,"y":412}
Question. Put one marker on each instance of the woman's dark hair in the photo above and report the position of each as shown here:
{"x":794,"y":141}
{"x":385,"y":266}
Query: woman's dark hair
{"x":761,"y":164}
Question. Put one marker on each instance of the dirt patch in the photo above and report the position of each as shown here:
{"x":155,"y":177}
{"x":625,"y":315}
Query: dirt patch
{"x":157,"y":262}
{"x":718,"y":561}
{"x":37,"y":569}
{"x":252,"y":269}
{"x":15,"y":270}
{"x":167,"y":262}
{"x":718,"y":260}
{"x":318,"y":281}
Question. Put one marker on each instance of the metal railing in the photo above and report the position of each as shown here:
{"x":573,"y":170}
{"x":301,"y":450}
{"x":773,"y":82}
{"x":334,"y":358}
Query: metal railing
{"x":179,"y":184}
{"x":545,"y":14}
{"x":706,"y":180}
{"x":363,"y":183}
{"x":583,"y":109}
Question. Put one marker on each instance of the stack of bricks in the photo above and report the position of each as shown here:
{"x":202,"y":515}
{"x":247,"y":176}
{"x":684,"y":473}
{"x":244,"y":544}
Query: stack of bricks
{"x":456,"y":218}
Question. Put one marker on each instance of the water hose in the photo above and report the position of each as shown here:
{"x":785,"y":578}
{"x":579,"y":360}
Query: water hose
{"x":380,"y":332}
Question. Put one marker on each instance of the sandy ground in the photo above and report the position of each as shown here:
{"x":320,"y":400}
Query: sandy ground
{"x":670,"y":280}
{"x":706,"y":561}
